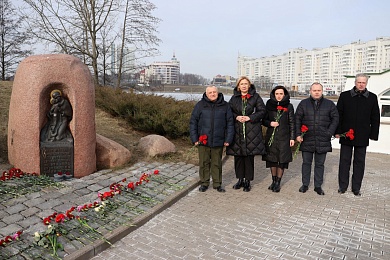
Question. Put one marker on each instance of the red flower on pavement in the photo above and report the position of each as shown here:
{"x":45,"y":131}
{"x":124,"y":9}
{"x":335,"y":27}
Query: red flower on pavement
{"x":46,"y":221}
{"x":69,"y":214}
{"x":60,"y":218}
{"x":108,"y":194}
{"x":17,"y":235}
{"x":156,"y":172}
{"x":131,"y":185}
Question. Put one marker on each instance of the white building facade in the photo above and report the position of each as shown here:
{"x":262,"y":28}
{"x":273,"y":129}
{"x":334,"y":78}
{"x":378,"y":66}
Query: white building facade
{"x":166,"y":72}
{"x":128,"y":62}
{"x":299,"y":68}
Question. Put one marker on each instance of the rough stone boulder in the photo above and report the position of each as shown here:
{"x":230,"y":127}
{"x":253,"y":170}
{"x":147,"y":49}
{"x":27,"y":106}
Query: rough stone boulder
{"x":153,"y":145}
{"x":110,"y":154}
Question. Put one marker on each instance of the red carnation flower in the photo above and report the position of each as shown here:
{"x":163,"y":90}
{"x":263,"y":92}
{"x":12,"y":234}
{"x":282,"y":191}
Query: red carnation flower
{"x":60,"y":218}
{"x":246,"y":96}
{"x":304,"y":129}
{"x":350,"y":134}
{"x":131,"y":185}
{"x":203,"y":139}
{"x":46,"y":221}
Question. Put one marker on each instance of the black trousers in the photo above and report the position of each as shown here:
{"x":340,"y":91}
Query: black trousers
{"x":244,"y":167}
{"x":319,"y":161}
{"x":359,"y":163}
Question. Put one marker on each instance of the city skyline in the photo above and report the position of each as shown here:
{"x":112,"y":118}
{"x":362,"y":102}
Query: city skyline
{"x":207,"y":36}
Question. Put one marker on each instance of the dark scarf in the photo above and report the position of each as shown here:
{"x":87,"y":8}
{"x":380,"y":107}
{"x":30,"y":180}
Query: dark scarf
{"x":272,"y":103}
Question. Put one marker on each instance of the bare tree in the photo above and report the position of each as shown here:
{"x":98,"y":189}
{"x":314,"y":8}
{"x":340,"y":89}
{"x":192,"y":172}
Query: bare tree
{"x":192,"y":79}
{"x":105,"y":62}
{"x":72,"y":25}
{"x":139,"y":29}
{"x":12,"y":39}
{"x":88,"y":28}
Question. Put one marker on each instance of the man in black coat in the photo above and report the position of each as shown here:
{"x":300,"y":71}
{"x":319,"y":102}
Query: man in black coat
{"x":211,"y":128}
{"x":359,"y":111}
{"x":321,"y":118}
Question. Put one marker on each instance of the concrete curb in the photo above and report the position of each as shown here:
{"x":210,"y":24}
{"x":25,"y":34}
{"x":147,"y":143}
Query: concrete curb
{"x":99,"y":246}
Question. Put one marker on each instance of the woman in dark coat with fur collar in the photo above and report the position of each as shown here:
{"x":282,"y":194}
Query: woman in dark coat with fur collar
{"x":279,"y":149}
{"x":248,"y":110}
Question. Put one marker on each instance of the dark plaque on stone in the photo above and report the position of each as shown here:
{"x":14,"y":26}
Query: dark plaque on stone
{"x":56,"y":157}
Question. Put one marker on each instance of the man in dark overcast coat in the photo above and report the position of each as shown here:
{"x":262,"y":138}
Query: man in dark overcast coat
{"x":359,"y":110}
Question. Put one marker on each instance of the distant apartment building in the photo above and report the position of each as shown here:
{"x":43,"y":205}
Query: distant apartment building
{"x":298,"y":68}
{"x":225,"y":80}
{"x":128,"y":62}
{"x":166,"y":72}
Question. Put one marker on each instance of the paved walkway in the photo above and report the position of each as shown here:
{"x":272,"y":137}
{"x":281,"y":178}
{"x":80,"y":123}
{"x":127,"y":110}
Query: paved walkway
{"x":27,"y":201}
{"x":266,"y":225}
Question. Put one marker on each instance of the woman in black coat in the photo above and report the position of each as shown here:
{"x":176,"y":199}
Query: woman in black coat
{"x":280,"y":121}
{"x":248,"y":111}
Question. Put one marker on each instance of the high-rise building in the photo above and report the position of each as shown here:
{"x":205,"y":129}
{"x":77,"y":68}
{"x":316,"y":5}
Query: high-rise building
{"x":128,"y":62}
{"x":299,"y":68}
{"x":165,"y":72}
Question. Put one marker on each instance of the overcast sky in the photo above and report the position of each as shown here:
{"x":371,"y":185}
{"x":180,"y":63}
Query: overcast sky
{"x":207,"y":35}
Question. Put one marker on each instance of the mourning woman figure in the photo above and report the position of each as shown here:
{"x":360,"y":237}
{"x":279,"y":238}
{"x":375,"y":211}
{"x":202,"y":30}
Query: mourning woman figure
{"x":59,"y":116}
{"x":280,"y":135}
{"x":248,"y":110}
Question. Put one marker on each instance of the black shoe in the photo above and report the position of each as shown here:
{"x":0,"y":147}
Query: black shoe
{"x":239,"y":184}
{"x":219,"y":189}
{"x":271,"y":187}
{"x":341,"y":191}
{"x":303,"y":188}
{"x":277,"y":185}
{"x":247,"y":186}
{"x":319,"y":191}
{"x":356,"y":193}
{"x":203,"y":188}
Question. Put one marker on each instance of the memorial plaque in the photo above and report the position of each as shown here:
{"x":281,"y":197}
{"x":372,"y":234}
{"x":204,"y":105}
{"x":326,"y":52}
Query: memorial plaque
{"x":56,"y":157}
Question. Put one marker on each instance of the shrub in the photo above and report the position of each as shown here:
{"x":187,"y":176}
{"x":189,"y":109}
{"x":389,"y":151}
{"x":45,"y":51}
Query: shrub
{"x":147,"y":112}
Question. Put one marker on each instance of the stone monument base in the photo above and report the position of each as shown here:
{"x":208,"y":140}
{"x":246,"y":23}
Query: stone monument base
{"x":56,"y":157}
